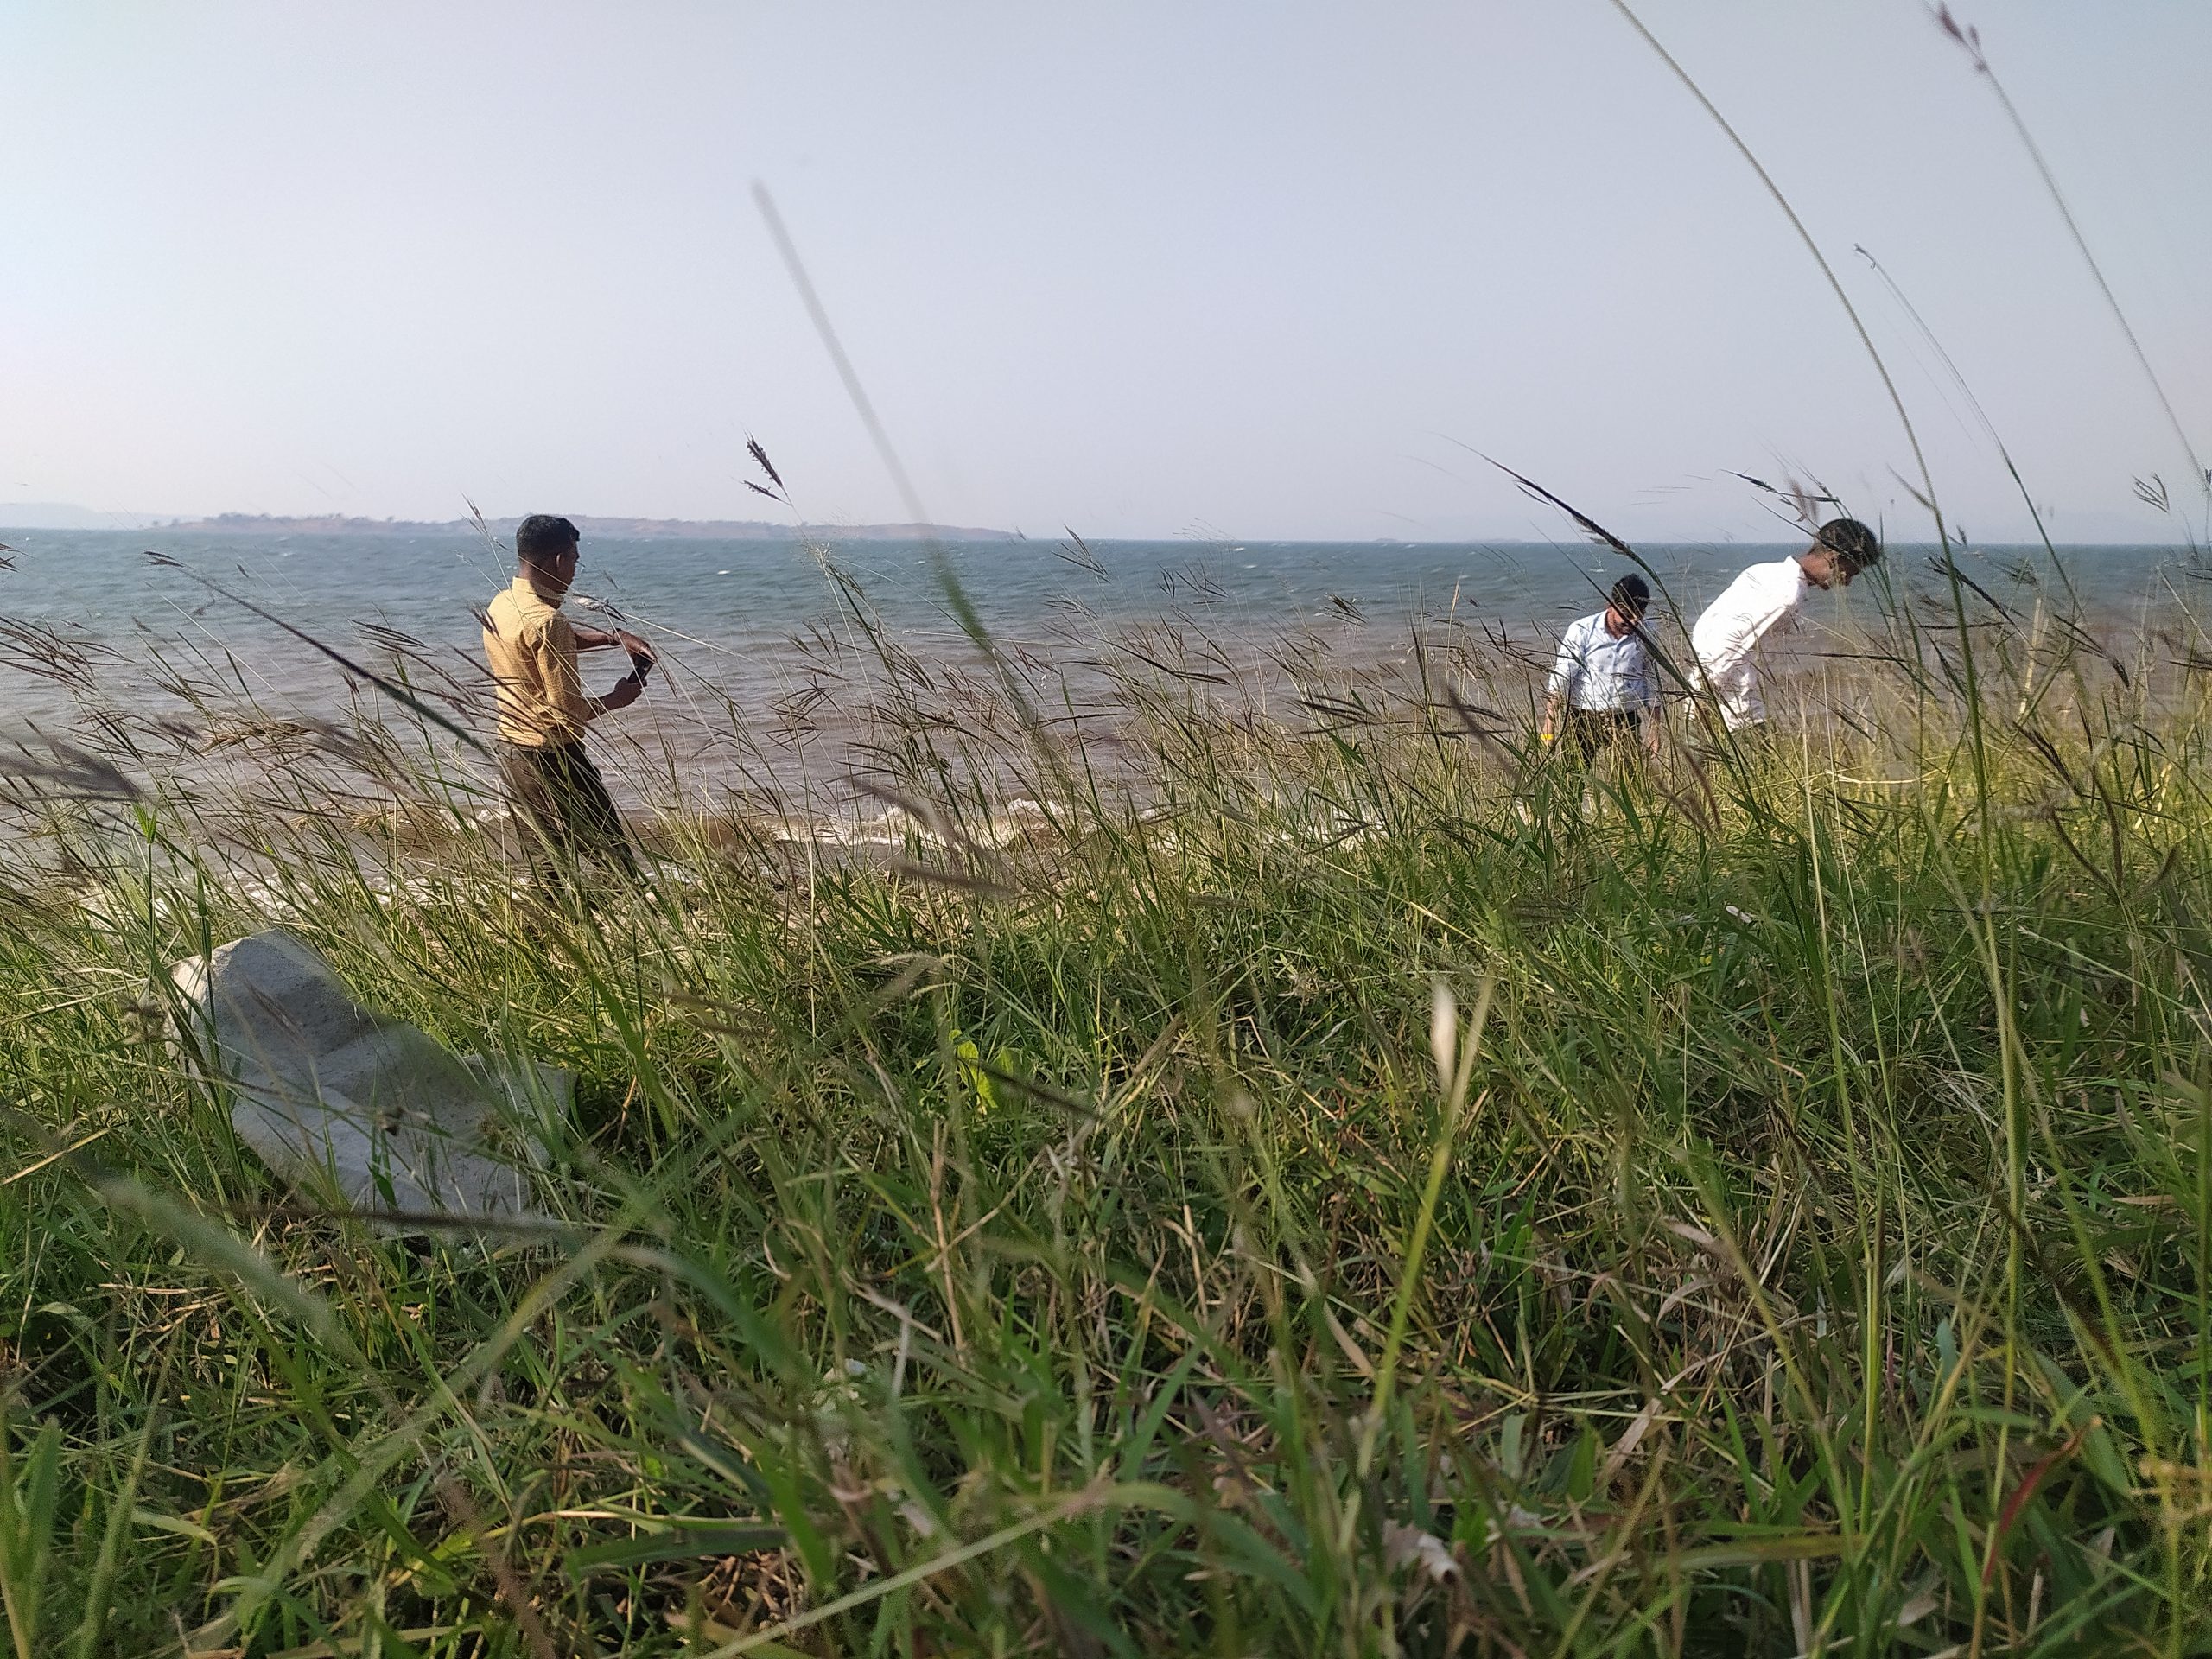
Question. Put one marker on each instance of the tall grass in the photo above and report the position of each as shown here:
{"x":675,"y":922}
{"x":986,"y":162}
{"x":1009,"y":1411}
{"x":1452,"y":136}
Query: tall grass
{"x":1327,"y":1181}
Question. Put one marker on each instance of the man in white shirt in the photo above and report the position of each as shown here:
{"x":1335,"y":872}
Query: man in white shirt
{"x":1729,"y":639}
{"x":1603,"y":682}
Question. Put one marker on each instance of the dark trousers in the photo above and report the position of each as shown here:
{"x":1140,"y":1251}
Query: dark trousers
{"x":1592,"y":729}
{"x":562,"y":809}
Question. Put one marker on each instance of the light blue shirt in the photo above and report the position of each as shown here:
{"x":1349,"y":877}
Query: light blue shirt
{"x":1601,"y":673}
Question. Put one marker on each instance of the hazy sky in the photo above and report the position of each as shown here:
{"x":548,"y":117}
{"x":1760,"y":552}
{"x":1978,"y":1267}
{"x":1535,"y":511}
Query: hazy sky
{"x":1196,"y":268}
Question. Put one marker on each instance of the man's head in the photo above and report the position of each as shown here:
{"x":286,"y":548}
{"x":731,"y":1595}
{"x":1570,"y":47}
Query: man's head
{"x":545,"y":546}
{"x":1842,"y":548}
{"x":1626,"y":604}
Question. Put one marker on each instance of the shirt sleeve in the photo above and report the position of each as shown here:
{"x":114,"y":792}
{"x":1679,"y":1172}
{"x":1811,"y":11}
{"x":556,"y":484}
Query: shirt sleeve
{"x":563,"y":681}
{"x":1647,"y":674}
{"x":1566,"y":671}
{"x":1746,"y":628}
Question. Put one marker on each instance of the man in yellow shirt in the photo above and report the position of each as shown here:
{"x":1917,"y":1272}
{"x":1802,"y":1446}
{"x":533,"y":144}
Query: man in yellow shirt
{"x":561,"y":802}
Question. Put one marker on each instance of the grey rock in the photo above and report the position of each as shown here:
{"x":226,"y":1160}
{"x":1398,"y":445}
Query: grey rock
{"x":361,"y":1111}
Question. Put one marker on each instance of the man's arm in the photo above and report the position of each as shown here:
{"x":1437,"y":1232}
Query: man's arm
{"x":560,"y":645}
{"x":590,"y":639}
{"x":1648,"y":692}
{"x":626,"y":691}
{"x":1566,"y":674}
{"x":1745,"y":630}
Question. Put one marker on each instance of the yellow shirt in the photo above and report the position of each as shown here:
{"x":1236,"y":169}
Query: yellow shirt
{"x":531,"y":650}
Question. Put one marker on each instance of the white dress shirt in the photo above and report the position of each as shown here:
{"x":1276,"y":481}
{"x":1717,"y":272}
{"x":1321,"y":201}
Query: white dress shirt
{"x":1597,"y":670}
{"x":1760,"y":603}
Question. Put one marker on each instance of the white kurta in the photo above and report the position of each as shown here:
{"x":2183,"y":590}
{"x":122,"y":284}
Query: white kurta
{"x":1728,"y":638}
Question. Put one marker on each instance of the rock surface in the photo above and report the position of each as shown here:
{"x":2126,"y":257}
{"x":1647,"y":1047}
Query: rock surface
{"x":363,"y":1112}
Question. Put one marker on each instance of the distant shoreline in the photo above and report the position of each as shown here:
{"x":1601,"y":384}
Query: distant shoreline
{"x":721,"y":530}
{"x":756,"y":530}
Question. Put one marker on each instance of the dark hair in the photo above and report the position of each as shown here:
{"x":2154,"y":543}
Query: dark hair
{"x":542,"y":537}
{"x":1631,"y":596}
{"x":1855,"y":547}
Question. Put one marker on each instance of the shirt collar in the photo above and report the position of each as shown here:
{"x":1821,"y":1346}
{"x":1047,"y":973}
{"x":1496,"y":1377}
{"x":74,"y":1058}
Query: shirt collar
{"x":1604,"y":635}
{"x":527,"y":592}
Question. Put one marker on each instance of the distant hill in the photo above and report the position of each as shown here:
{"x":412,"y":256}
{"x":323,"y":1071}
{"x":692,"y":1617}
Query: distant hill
{"x":720,"y":529}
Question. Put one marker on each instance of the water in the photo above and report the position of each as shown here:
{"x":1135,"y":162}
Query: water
{"x":736,"y":617}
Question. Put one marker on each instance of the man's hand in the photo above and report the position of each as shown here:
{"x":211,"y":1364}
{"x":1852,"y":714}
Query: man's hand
{"x":637,"y":647}
{"x":625,"y":692}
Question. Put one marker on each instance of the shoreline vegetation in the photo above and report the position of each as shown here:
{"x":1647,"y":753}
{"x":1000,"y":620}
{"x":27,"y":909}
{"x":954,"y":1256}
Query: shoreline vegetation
{"x":1322,"y":1177}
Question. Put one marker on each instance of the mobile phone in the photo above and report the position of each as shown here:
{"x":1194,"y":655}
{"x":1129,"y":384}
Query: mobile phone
{"x":640,"y":666}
